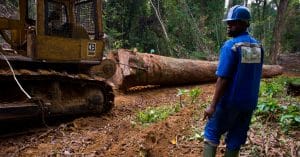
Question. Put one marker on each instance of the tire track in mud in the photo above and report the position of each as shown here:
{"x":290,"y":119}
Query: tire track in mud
{"x":114,"y":135}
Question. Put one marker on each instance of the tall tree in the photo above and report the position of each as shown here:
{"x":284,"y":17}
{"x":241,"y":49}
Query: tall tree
{"x":234,"y":2}
{"x":278,"y":30}
{"x":160,"y":20}
{"x":194,"y":27}
{"x":291,"y":40}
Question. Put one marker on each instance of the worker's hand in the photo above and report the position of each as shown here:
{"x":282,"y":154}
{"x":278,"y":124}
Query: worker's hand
{"x":209,"y":111}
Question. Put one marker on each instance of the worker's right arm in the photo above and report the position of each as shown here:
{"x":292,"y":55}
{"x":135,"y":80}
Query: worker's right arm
{"x":221,"y":85}
{"x":225,"y":72}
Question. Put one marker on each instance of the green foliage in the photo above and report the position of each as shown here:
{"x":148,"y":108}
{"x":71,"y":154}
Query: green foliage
{"x":198,"y":55}
{"x":237,"y":2}
{"x":14,"y":3}
{"x":182,"y":92}
{"x":268,"y":104}
{"x":274,"y":105}
{"x":263,"y":15}
{"x":295,"y":81}
{"x":273,"y":87}
{"x":291,"y":40}
{"x":134,"y":23}
{"x":290,"y":119}
{"x":194,"y":27}
{"x":192,"y":94}
{"x":215,"y":30}
{"x":155,"y":114}
{"x":268,"y":109}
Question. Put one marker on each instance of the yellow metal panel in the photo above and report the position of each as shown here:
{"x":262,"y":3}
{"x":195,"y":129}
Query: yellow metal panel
{"x":91,"y":49}
{"x":58,"y":49}
{"x":9,"y":23}
{"x":67,"y":49}
{"x":17,"y":31}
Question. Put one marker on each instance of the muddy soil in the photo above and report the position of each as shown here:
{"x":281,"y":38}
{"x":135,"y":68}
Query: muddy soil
{"x":119,"y":134}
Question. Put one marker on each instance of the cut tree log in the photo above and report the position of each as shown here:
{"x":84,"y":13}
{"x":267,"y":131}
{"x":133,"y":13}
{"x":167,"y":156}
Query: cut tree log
{"x":290,"y":62}
{"x":141,"y":69}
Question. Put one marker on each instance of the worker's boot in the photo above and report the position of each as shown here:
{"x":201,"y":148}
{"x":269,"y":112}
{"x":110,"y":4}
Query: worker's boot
{"x":209,"y":150}
{"x":232,"y":153}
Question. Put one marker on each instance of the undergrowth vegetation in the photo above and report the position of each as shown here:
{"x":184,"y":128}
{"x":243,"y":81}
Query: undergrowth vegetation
{"x":275,"y":105}
{"x":276,"y":122}
{"x":155,"y":114}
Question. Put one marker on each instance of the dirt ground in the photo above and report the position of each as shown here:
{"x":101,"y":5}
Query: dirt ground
{"x":118,"y":133}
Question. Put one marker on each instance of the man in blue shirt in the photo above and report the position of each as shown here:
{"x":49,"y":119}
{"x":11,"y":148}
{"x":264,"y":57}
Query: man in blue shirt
{"x":236,"y":94}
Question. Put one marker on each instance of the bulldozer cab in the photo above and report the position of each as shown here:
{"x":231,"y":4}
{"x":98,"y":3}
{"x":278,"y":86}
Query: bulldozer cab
{"x":56,"y":30}
{"x":80,"y":26}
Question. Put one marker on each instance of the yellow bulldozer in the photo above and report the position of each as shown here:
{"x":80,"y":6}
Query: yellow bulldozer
{"x":52,"y":61}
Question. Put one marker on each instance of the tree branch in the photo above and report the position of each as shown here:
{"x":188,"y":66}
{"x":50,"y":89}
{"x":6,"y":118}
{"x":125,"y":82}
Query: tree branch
{"x":160,"y":21}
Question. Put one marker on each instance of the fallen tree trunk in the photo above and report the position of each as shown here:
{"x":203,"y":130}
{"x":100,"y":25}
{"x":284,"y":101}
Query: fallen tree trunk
{"x":290,"y":62}
{"x":140,"y":69}
{"x":271,"y":71}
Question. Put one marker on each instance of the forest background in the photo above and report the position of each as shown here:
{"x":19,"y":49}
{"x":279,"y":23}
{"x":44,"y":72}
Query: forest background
{"x":194,"y":28}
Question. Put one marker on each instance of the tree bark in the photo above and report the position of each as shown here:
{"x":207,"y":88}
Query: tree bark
{"x":140,"y":69}
{"x":290,"y":62}
{"x":277,"y":30}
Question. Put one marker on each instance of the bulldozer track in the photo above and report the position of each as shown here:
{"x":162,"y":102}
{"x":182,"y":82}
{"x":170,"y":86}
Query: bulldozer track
{"x":42,"y":79}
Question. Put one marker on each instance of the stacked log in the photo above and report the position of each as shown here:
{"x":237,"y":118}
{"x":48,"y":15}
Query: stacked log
{"x":141,"y":69}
